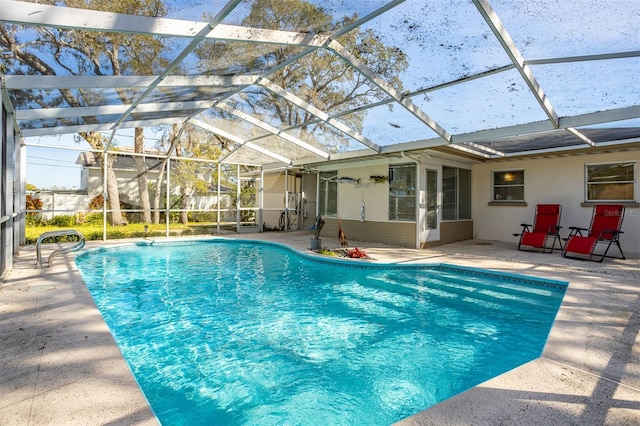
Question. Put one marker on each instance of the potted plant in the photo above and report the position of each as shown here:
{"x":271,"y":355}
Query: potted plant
{"x":316,"y":243}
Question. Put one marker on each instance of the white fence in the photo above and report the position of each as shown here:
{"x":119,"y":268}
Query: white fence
{"x":56,"y":203}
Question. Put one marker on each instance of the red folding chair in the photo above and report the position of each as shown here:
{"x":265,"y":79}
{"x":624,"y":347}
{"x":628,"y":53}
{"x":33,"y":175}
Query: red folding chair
{"x":606,"y":223}
{"x":546,"y":224}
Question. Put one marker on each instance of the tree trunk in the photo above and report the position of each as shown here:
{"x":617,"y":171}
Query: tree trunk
{"x":113,"y":198}
{"x":184,"y":215}
{"x":157,"y":196}
{"x":141,"y":169}
{"x":96,"y":141}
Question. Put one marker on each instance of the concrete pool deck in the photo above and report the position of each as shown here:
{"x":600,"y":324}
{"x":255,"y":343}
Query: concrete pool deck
{"x":60,"y":365}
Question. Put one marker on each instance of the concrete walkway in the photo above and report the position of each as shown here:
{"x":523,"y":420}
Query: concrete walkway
{"x":59,"y":364}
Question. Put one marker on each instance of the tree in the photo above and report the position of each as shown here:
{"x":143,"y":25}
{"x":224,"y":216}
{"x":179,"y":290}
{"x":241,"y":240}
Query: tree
{"x":98,"y":141}
{"x":321,"y":78}
{"x":50,"y":51}
{"x":166,"y":142}
{"x":247,"y":198}
{"x":141,"y":168}
{"x":185,"y":174}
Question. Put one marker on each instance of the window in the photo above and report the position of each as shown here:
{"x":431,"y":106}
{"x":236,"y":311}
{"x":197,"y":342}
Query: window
{"x":402,"y":192}
{"x":508,"y":185}
{"x":328,"y":194}
{"x":456,"y":193}
{"x":610,"y":182}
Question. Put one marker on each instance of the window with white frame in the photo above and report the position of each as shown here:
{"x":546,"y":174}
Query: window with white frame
{"x":402,"y":192}
{"x":328,"y":194}
{"x":456,"y":193}
{"x":611,"y":181}
{"x":508,"y":185}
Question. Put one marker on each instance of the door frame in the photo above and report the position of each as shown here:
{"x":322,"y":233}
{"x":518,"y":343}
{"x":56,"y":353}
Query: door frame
{"x":433,"y":234}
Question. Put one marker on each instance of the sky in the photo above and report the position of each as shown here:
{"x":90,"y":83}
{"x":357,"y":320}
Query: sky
{"x":49,"y":168}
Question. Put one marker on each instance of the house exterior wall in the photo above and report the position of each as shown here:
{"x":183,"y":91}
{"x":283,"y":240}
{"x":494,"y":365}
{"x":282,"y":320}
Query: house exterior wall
{"x":559,"y":180}
{"x":395,"y":233}
{"x":127,"y":183}
{"x":376,"y":226}
{"x":376,"y":201}
{"x":273,"y":187}
{"x":302,"y":192}
{"x":547,"y":180}
{"x":309,"y":200}
{"x":84,"y":178}
{"x":452,"y":231}
{"x":374,"y":195}
{"x":128,"y":190}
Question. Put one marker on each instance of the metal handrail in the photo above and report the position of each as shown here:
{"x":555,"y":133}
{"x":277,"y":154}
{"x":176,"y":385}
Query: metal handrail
{"x":60,"y":251}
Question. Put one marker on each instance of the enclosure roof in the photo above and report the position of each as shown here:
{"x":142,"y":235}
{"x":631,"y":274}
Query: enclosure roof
{"x":298,"y":82}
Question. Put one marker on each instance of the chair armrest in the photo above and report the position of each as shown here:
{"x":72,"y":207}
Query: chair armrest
{"x":525,"y":228}
{"x":554,"y":229}
{"x":575,"y":230}
{"x":614,"y":233}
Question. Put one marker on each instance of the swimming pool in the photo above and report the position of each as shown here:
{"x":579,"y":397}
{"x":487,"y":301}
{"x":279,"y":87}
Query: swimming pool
{"x":245,"y":332}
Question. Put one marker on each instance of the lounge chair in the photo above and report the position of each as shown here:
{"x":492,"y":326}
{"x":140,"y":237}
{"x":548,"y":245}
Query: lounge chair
{"x":546,"y":224}
{"x":605,"y":229}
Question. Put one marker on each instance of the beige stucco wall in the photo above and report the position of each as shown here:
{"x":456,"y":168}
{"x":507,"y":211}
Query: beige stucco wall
{"x":350,"y":195}
{"x":300,"y":189}
{"x":375,"y":228}
{"x":309,"y":200}
{"x":551,"y":180}
{"x":127,"y":183}
{"x":374,"y":195}
{"x":396,"y":233}
{"x":452,"y":231}
{"x":273,"y":199}
{"x":547,"y":180}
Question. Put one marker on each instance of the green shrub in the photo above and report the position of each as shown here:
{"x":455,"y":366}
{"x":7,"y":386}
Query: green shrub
{"x":63,"y":220}
{"x":94,"y":219}
{"x":205,"y":217}
{"x":33,"y":219}
{"x":94,"y":236}
{"x":115,"y":233}
{"x":93,"y":232}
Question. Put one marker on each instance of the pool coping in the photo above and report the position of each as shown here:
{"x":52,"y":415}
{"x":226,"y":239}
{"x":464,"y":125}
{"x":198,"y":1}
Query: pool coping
{"x":60,"y":365}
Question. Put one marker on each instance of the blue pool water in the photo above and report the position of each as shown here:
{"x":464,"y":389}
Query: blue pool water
{"x":226,"y":332}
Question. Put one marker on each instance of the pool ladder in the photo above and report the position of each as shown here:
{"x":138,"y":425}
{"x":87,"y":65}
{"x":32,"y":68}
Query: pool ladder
{"x":59,"y":251}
